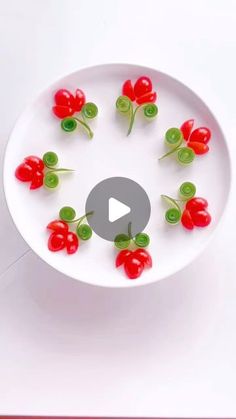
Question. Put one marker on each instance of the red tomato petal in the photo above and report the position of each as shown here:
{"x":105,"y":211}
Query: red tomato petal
{"x":72,"y":243}
{"x":56,"y":242}
{"x":133,"y":267}
{"x":24,"y":172}
{"x":35,"y":162}
{"x":64,"y":97}
{"x":59,"y":226}
{"x":79,"y":100}
{"x":186,"y":128}
{"x":142,"y":86}
{"x":144,"y":257}
{"x":37,"y":180}
{"x":62,"y":111}
{"x":148,"y":98}
{"x":121,"y":257}
{"x":201,"y":218}
{"x":201,"y":135}
{"x":198,"y":148}
{"x":196,"y":204}
{"x":186,"y":220}
{"x":128,"y":90}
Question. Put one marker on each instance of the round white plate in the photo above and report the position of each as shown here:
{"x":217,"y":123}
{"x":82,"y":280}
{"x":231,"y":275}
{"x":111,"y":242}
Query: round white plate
{"x":111,"y":153}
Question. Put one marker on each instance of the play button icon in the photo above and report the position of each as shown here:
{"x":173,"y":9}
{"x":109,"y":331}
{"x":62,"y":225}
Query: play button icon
{"x":117,"y":210}
{"x":116,"y":202}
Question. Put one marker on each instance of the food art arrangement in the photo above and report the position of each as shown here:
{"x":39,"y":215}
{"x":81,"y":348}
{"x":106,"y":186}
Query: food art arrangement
{"x":185,"y":143}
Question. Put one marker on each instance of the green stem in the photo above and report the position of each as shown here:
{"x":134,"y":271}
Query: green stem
{"x":85,"y":125}
{"x":80,"y":219}
{"x":171,"y":151}
{"x":133,"y":117}
{"x":59,"y":170}
{"x":83,"y":117}
{"x":129,"y":231}
{"x":182,"y":200}
{"x":171,"y":201}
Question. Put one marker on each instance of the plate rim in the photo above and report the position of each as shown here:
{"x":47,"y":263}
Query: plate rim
{"x":132,"y":284}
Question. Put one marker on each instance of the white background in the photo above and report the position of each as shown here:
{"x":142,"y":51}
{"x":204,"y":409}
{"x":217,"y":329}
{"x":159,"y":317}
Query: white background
{"x":168,"y":349}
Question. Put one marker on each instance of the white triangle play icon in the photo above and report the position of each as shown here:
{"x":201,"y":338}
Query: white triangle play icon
{"x":116,"y":209}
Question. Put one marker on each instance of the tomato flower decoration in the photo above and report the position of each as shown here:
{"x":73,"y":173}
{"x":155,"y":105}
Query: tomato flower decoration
{"x":136,"y":259}
{"x":194,"y":213}
{"x":39,"y":171}
{"x":67,"y":104}
{"x":196,"y":142}
{"x":61,"y":237}
{"x":141,"y":93}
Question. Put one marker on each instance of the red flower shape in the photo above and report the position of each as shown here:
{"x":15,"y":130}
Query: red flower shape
{"x":134,"y":261}
{"x":197,"y":140}
{"x":141,"y":92}
{"x":31,"y":170}
{"x":66,"y":104}
{"x":196,"y":214}
{"x":61,"y":238}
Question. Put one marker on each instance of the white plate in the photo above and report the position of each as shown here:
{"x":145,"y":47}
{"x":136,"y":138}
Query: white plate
{"x":109,"y":154}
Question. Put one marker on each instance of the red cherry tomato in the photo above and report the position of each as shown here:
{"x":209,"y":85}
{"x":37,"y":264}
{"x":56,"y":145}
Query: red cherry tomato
{"x":128,"y":90}
{"x":24,"y":172}
{"x":201,"y":218}
{"x":62,"y":111}
{"x":56,"y":242}
{"x":196,"y":204}
{"x":37,"y":180}
{"x":142,"y":86}
{"x":186,"y":220}
{"x":59,"y":226}
{"x":201,"y":135}
{"x":198,"y":148}
{"x":144,"y":257}
{"x":133,"y":266}
{"x":79,"y":100}
{"x":186,"y":128}
{"x":64,"y":97}
{"x":121,"y":257}
{"x":72,"y":243}
{"x":35,"y":162}
{"x":148,"y":98}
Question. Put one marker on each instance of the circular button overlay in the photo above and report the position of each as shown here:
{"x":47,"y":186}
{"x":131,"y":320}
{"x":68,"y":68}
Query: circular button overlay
{"x":116,"y":202}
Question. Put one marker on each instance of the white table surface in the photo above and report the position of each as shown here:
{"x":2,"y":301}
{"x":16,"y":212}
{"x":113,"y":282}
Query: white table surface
{"x":168,"y":349}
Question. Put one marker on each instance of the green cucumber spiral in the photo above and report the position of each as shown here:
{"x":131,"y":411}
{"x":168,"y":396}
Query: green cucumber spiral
{"x":68,"y":124}
{"x":142,"y":240}
{"x":122,"y":241}
{"x":51,"y":180}
{"x":173,"y":216}
{"x":150,"y":110}
{"x":185,"y":155}
{"x":187,"y":190}
{"x":67,"y":214}
{"x":50,"y":159}
{"x":89,"y":110}
{"x":173,"y":137}
{"x":123,"y":104}
{"x":84,"y":231}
